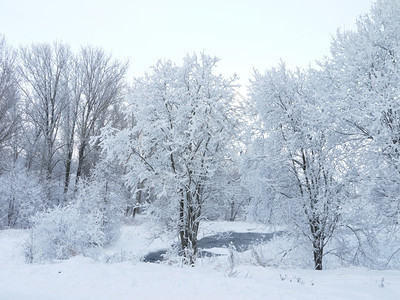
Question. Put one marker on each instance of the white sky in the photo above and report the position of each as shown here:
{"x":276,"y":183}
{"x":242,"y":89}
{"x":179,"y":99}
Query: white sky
{"x":243,"y":33}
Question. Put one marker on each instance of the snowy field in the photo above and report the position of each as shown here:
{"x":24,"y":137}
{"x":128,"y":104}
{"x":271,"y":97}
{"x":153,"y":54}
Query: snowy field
{"x":118,"y":274}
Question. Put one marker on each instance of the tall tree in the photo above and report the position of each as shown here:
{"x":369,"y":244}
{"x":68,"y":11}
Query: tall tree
{"x":102,"y":87}
{"x":43,"y":69}
{"x":300,"y":156}
{"x":69,"y":120}
{"x":364,"y":72}
{"x":182,"y":135}
{"x":10,"y":120}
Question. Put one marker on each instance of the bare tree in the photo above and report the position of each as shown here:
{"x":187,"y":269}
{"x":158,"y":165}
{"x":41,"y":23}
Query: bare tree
{"x":44,"y":70}
{"x":69,"y":120}
{"x":10,"y":120}
{"x":103,"y":85}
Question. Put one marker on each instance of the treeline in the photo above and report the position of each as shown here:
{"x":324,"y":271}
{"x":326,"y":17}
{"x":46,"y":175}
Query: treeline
{"x":315,"y":151}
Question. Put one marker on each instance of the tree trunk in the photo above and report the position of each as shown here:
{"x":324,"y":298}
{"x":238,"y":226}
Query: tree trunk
{"x":318,"y":243}
{"x":10,"y":214}
{"x":189,"y":228}
{"x":233,"y":214}
{"x":67,"y":173}
{"x":318,"y":253}
{"x":81,"y":154}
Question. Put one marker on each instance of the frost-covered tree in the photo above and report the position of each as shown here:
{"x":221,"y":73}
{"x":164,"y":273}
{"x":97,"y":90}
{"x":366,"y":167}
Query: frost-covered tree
{"x":364,"y":72}
{"x":364,"y":67}
{"x":21,"y":197}
{"x":297,"y":157}
{"x":181,"y":136}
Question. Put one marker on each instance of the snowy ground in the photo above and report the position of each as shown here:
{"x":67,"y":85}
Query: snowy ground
{"x":120,"y":275}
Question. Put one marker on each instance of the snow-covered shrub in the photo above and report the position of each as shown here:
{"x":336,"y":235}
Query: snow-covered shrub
{"x":21,"y":196}
{"x":103,"y":195}
{"x":81,"y":225}
{"x":120,"y":256}
{"x":365,"y":247}
{"x":281,"y":251}
{"x":64,"y":232}
{"x":368,"y":237}
{"x":230,"y":269}
{"x":173,"y":255}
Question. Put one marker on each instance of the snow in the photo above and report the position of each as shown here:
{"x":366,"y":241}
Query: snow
{"x":87,"y":278}
{"x":213,"y":227}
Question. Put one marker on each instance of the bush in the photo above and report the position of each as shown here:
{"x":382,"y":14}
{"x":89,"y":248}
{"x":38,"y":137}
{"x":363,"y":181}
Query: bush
{"x":282,"y":251}
{"x":230,"y":269}
{"x":64,"y":232}
{"x":21,"y":196}
{"x":366,"y":248}
{"x":103,"y":195}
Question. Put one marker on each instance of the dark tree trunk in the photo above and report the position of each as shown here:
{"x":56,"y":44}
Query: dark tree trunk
{"x":182,"y":225}
{"x":81,"y":154}
{"x":318,"y":253}
{"x":189,"y":227}
{"x":67,"y":172}
{"x":233,"y":213}
{"x":318,"y":243}
{"x":10,"y":214}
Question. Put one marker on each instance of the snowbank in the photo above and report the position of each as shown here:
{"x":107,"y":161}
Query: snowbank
{"x":86,"y":278}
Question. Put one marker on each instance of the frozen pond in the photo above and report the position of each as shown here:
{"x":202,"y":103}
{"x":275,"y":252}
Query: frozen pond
{"x":241,"y":240}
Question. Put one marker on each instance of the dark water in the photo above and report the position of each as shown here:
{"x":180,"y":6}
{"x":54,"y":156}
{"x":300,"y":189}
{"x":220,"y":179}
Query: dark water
{"x":241,"y":240}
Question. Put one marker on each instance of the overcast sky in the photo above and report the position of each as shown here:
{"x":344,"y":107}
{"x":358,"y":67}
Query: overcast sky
{"x":244,"y":34}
